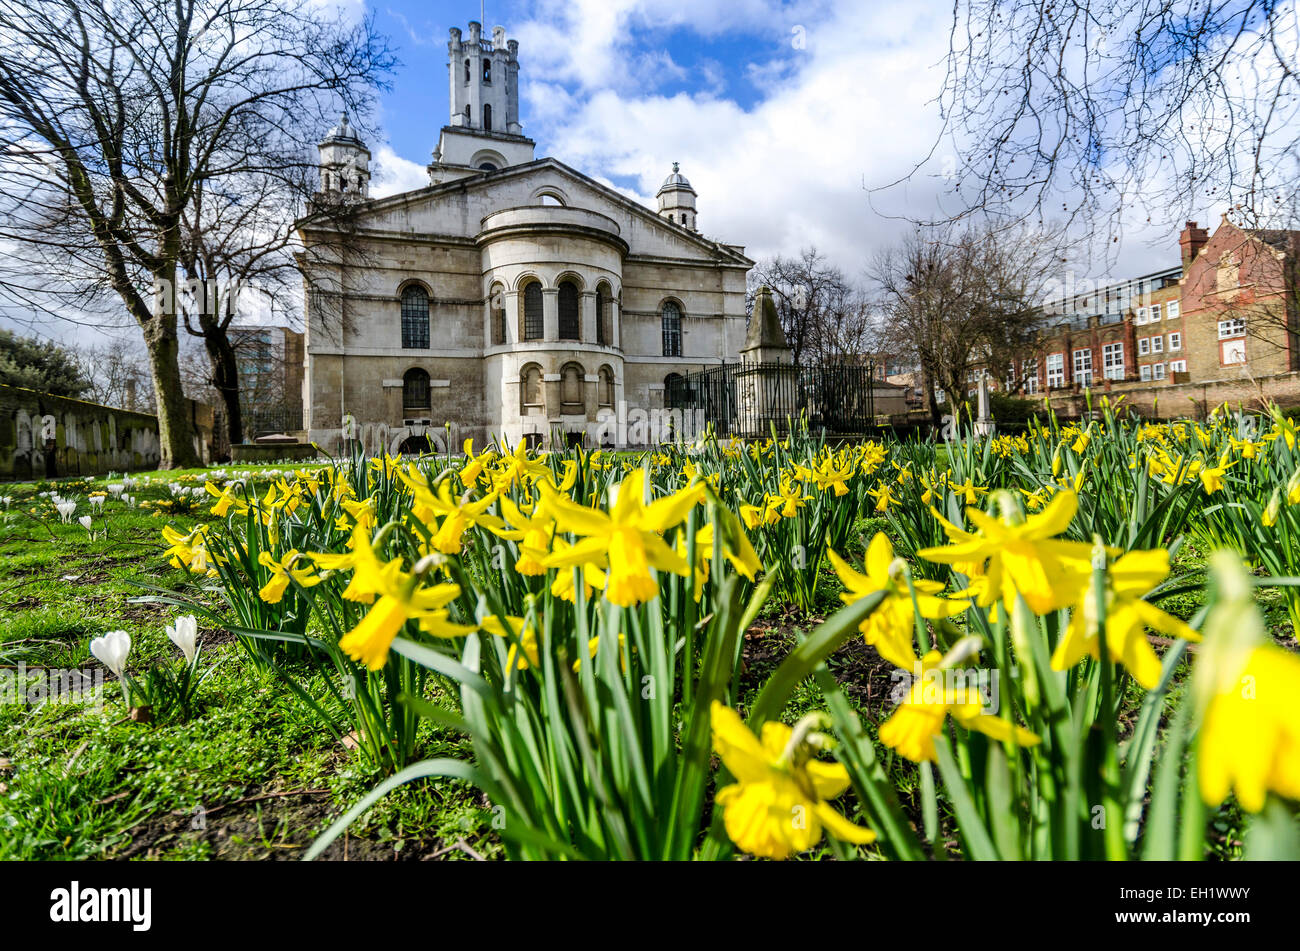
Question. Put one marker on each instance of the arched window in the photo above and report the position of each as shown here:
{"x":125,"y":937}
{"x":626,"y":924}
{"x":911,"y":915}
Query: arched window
{"x":487,"y":117}
{"x":533,"y":323}
{"x":497,"y":314}
{"x":569,"y":311}
{"x":530,"y":388}
{"x":415,"y":318}
{"x":415,"y":392}
{"x":487,"y":70}
{"x":572,"y":402}
{"x":548,"y":199}
{"x":602,"y":315}
{"x":674,"y":391}
{"x":605,"y":389}
{"x":672,"y":329}
{"x":467,"y":72}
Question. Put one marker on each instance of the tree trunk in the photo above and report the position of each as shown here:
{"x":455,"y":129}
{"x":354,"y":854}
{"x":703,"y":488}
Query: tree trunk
{"x":176,"y":434}
{"x":225,"y":377}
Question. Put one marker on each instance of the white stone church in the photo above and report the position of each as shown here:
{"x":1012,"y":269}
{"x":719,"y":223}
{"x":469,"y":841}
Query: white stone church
{"x":513,"y":296}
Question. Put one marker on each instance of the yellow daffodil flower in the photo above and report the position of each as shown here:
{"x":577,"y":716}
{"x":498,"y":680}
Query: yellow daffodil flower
{"x":281,"y":572}
{"x":401,"y":599}
{"x":778,"y":804}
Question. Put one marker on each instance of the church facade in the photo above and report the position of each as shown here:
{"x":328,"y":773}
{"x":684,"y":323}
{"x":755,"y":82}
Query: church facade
{"x":513,"y":296}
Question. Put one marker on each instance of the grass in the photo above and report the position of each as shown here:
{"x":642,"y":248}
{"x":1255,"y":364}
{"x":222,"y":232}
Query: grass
{"x":252,"y":775}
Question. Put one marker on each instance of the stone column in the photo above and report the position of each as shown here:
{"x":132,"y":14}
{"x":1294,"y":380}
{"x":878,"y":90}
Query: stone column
{"x":587,"y":314}
{"x":511,"y":303}
{"x":550,"y":313}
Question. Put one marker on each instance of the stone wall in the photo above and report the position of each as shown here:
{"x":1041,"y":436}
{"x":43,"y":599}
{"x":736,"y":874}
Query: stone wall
{"x":43,"y":436}
{"x":1187,"y":399}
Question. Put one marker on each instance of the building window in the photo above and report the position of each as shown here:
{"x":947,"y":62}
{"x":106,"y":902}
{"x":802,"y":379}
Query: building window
{"x":571,"y":399}
{"x":602,"y":315}
{"x":1176,"y":341}
{"x":1178,"y":366}
{"x":1236,"y":327}
{"x":569,"y":324}
{"x":415,"y":318}
{"x":1154,"y":313}
{"x":487,"y":70}
{"x":1144,"y":346}
{"x":1140,"y":316}
{"x":469,"y":119}
{"x":1158,"y":344}
{"x":674,"y":391}
{"x":1030,"y":373}
{"x":1083,"y":367}
{"x":467,"y":72}
{"x":605,"y":388}
{"x":533,"y":321}
{"x":530,"y":388}
{"x":1055,"y":369}
{"x":1145,"y":372}
{"x":1112,"y":359}
{"x":1157,"y":371}
{"x":415,"y":392}
{"x":671,"y":324}
{"x":1171,"y":310}
{"x":487,"y":117}
{"x":497,"y":311}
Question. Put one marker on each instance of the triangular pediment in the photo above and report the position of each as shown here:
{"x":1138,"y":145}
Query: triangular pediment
{"x":455,"y":210}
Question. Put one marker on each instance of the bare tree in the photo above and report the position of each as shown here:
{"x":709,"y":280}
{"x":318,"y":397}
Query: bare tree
{"x":139,"y":136}
{"x":961,"y":301}
{"x":823,"y":314}
{"x":1080,"y":109}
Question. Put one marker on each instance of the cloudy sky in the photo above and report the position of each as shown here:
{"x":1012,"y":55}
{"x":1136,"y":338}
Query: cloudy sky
{"x":790,"y":119}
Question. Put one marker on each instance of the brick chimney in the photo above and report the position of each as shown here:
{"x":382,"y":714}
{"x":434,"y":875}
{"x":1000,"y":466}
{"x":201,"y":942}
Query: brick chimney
{"x":1191,"y":241}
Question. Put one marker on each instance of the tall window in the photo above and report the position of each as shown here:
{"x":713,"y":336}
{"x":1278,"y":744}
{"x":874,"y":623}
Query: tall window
{"x":530,"y":388}
{"x":415,"y":318}
{"x":533,"y":324}
{"x":487,"y":117}
{"x":466,"y":71}
{"x":605,"y":388}
{"x":497,"y":311}
{"x":1030,"y":374}
{"x":571,"y":396}
{"x":415,"y":392}
{"x":487,"y":70}
{"x":1083,"y":367}
{"x":1112,"y":358}
{"x":469,"y":118}
{"x":602,"y":315}
{"x":672,"y":330}
{"x":1172,"y":310}
{"x":1055,"y":369}
{"x":568,"y":311}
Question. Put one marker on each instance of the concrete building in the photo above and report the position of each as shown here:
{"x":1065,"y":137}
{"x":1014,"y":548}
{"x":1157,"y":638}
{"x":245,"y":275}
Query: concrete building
{"x":513,"y":296}
{"x":270,"y":364}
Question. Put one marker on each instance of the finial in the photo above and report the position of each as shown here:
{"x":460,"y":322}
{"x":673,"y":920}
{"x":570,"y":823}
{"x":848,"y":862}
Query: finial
{"x":674,"y":167}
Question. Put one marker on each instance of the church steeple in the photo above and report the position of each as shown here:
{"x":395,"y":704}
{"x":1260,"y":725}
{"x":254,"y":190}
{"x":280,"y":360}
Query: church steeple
{"x":677,"y":199}
{"x":483,"y":131}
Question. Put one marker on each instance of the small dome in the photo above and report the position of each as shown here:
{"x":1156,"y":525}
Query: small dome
{"x":674,"y":181}
{"x":343,"y":132}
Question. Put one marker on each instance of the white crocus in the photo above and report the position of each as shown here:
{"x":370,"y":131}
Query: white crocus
{"x":111,"y":650}
{"x":185,"y":635}
{"x":115,"y":489}
{"x":85,"y":522}
{"x":65,"y":507}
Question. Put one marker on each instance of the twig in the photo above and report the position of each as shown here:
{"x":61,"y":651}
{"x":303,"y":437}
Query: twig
{"x":258,"y":798}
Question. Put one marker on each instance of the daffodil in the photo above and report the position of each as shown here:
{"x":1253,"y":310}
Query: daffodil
{"x":1022,"y":556}
{"x":533,"y":533}
{"x":940,"y":689}
{"x":524,"y":634}
{"x":889,"y":628}
{"x":778,"y":804}
{"x":627,"y":538}
{"x":401,"y":598}
{"x":1127,"y":617}
{"x":282,"y":572}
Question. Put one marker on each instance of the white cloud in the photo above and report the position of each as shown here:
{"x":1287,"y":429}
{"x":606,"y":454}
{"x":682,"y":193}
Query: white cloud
{"x":391,"y":174}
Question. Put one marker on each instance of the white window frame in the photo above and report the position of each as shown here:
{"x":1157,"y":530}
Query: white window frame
{"x":1056,"y":369}
{"x":1140,"y":316}
{"x":1112,"y":360}
{"x":1175,"y":342}
{"x":1154,"y":312}
{"x":1144,"y":372}
{"x":1177,"y":366}
{"x":1144,"y":346}
{"x":1171,"y":310}
{"x":1158,"y":344}
{"x":1236,"y":327}
{"x":1157,"y":371}
{"x":1082,"y":373}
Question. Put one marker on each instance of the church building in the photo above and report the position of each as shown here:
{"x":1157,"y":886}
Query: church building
{"x":512,"y":296}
